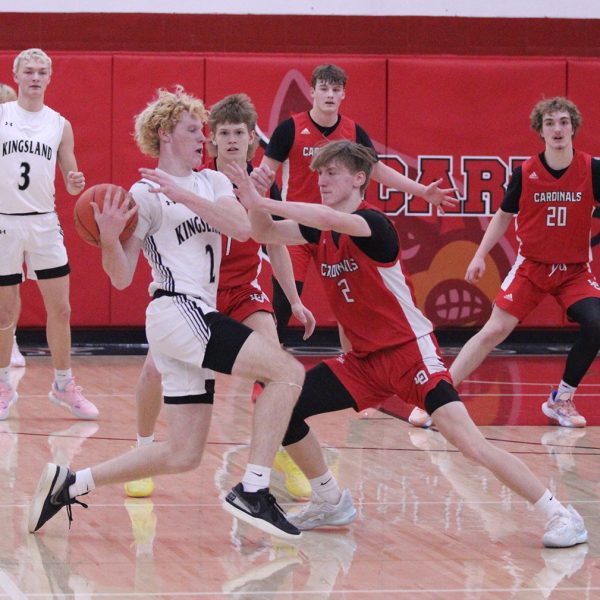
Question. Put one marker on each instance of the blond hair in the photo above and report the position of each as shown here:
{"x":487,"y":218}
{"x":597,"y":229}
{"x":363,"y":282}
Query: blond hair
{"x":7,"y":94}
{"x":164,"y":113}
{"x":32,"y":54}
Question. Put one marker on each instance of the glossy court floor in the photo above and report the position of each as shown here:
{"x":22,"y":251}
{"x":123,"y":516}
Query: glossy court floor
{"x":430,"y":524}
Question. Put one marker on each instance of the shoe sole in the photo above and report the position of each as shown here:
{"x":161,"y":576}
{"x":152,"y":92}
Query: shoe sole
{"x":582,"y":538}
{"x":74,"y":411}
{"x":261,"y":524}
{"x":41,"y":493}
{"x":330,"y":524}
{"x":13,"y":401}
{"x":552,"y":415}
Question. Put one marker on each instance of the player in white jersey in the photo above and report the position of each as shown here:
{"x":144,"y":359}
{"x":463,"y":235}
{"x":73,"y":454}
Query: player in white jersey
{"x":7,"y":94}
{"x":181,"y":217}
{"x":33,"y":140}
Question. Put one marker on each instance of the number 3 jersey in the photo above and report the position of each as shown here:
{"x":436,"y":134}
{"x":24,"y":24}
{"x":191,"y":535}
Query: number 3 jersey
{"x":184,"y":251}
{"x":555,"y":215}
{"x":29,"y":142}
{"x":373,"y":301}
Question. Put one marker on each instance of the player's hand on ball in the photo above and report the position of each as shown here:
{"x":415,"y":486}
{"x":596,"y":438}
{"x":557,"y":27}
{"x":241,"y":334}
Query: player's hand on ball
{"x":116,"y":211}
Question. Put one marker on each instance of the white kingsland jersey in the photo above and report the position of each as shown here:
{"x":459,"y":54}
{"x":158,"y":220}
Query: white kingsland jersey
{"x":183,"y":250}
{"x":29,"y":144}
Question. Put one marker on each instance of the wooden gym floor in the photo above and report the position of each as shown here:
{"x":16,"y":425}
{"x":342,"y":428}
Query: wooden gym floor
{"x":430,"y":524}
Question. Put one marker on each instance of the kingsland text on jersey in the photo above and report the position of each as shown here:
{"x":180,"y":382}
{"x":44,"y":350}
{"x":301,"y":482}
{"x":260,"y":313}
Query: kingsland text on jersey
{"x":191,"y":227}
{"x":27,"y":146}
{"x":344,"y":266}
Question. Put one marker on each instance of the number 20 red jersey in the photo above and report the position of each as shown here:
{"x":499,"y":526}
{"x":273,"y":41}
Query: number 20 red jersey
{"x":555,"y":215}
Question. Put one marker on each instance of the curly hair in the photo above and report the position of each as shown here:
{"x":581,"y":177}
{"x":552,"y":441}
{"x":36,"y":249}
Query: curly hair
{"x":164,"y":113}
{"x":551,"y":105}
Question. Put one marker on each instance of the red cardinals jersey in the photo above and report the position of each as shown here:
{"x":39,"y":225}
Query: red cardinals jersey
{"x":555,"y":215}
{"x":241,"y":261}
{"x":302,"y":183}
{"x":373,"y":301}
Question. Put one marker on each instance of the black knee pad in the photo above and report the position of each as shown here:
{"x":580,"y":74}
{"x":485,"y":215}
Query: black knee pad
{"x":443,"y":393}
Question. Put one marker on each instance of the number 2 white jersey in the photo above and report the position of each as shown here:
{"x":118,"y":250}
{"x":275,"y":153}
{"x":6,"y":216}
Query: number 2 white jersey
{"x":183,"y":250}
{"x":29,"y":144}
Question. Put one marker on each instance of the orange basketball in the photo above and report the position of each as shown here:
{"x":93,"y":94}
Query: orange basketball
{"x":85,"y":223}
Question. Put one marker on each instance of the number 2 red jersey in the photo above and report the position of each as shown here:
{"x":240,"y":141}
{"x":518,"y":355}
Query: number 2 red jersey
{"x":302,"y":183}
{"x":373,"y":301}
{"x":555,"y":215}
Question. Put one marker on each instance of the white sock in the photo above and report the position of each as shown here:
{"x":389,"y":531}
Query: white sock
{"x":256,"y":478}
{"x":4,"y":375}
{"x":144,"y":441}
{"x":62,"y":378}
{"x":548,"y":505}
{"x":565,"y":388}
{"x":326,"y":487}
{"x":84,"y":483}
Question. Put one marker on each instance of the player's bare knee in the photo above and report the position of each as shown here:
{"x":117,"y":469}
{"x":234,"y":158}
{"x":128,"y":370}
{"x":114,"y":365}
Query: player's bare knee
{"x":61,"y":312}
{"x":284,"y":368}
{"x":183,"y":458}
{"x":292,"y":372}
{"x":7,"y":320}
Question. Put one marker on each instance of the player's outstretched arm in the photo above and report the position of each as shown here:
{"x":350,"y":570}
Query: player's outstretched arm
{"x":225,"y":214}
{"x":495,"y":230}
{"x":312,"y":215}
{"x":440,"y":197}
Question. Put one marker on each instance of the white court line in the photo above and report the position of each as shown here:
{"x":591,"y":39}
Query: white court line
{"x":443,"y":502}
{"x":328,"y":593}
{"x":10,"y":588}
{"x":518,"y":395}
{"x":496,"y":382}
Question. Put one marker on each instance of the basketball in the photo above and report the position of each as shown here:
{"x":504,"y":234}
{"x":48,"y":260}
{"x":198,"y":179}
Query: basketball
{"x":85,"y":223}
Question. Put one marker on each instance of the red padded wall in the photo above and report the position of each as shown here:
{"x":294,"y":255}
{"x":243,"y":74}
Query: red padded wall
{"x":474,"y":110}
{"x":459,"y":115}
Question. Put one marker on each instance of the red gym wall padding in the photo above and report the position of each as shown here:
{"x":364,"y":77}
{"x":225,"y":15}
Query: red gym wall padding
{"x":464,"y":119}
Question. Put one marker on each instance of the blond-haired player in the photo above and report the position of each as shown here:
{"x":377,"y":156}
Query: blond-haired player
{"x":35,"y":139}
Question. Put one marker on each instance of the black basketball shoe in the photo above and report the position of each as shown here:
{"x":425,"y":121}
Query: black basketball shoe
{"x":51,"y":494}
{"x":260,"y":509}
